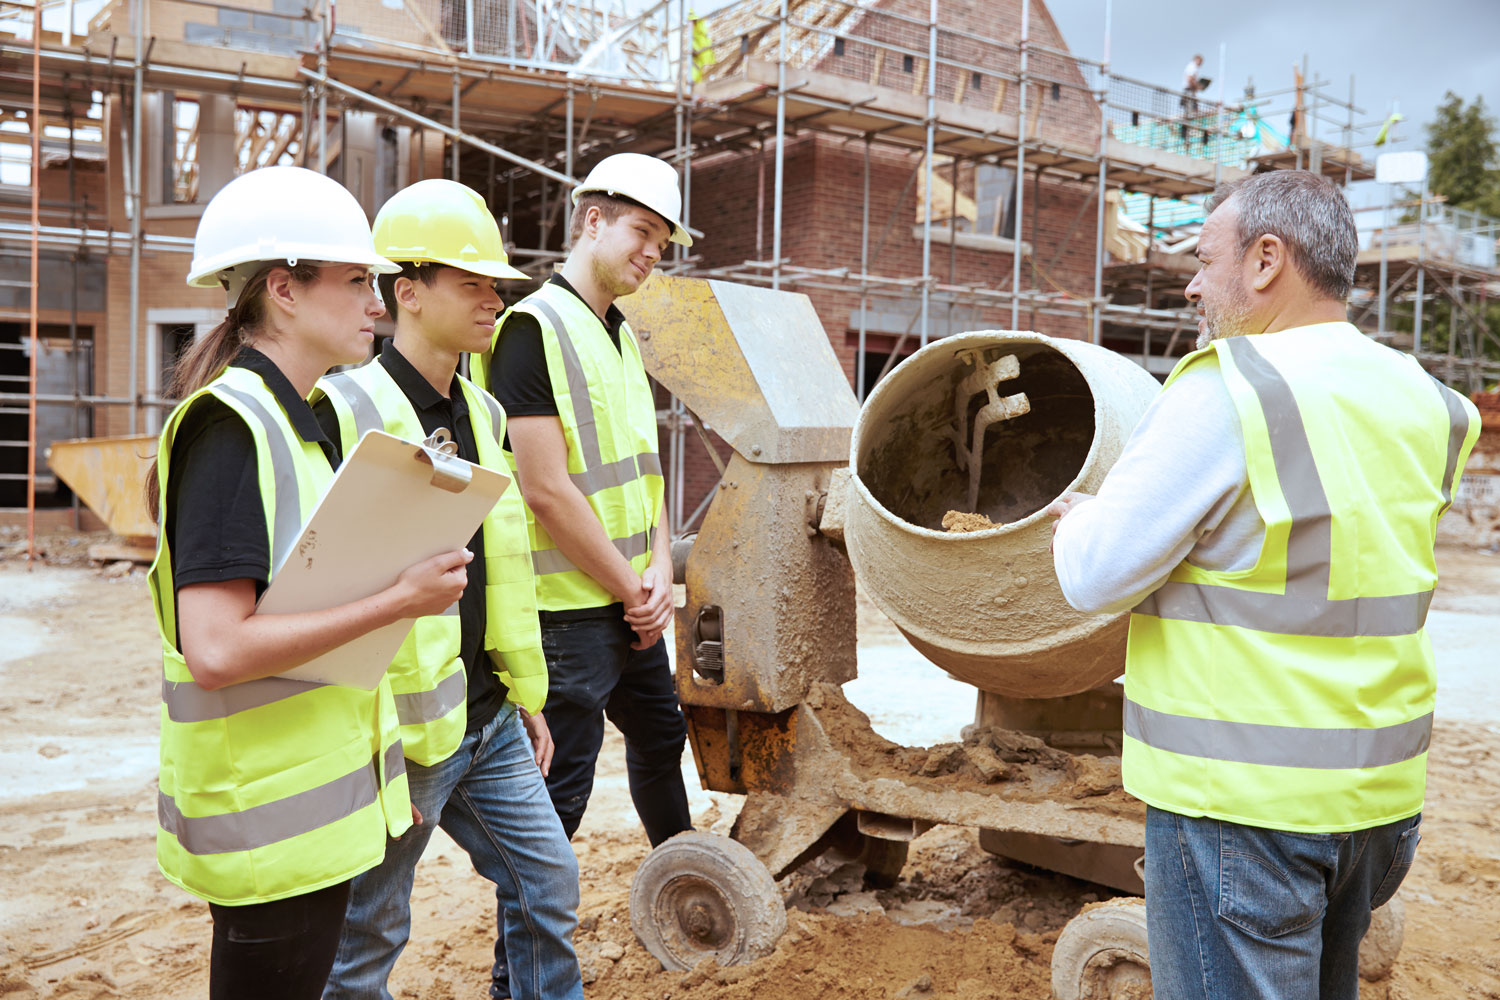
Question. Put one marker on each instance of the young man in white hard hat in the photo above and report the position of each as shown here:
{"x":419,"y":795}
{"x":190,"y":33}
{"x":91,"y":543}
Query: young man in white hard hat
{"x":469,"y":686}
{"x":583,"y":434}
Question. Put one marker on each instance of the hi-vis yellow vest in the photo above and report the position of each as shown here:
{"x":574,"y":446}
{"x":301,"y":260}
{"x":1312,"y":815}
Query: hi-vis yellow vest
{"x":1298,"y":694}
{"x":272,"y":787}
{"x":427,"y":674}
{"x":609,"y":421}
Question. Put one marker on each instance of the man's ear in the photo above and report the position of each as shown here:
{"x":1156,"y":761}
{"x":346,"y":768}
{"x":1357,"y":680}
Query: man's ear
{"x":405,"y":291}
{"x":593,"y":221}
{"x":1269,"y":256}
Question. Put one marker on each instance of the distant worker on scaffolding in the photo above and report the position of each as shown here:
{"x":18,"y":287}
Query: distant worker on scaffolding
{"x":1191,"y":84}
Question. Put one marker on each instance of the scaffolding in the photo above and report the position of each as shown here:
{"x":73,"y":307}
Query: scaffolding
{"x":518,"y":97}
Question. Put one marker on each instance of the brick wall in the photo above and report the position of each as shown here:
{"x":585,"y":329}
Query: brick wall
{"x":822,"y":213}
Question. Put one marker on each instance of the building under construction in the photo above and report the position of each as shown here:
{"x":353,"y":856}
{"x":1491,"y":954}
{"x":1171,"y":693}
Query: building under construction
{"x":917,"y":169}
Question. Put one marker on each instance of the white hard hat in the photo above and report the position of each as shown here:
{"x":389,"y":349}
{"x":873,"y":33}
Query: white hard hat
{"x":275,"y":214}
{"x":643,"y":179}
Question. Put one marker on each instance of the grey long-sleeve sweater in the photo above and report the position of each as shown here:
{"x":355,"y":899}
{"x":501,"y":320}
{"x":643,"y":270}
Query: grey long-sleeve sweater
{"x":1179,"y":491}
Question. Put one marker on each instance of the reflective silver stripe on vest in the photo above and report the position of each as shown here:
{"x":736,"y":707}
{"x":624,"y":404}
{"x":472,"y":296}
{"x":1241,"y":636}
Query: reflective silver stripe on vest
{"x":1458,"y":430}
{"x":283,"y":819}
{"x":1290,"y":613}
{"x":188,"y":702}
{"x":418,"y":707}
{"x":596,"y":478}
{"x":395,"y":762}
{"x":366,"y":414}
{"x":1278,"y":746}
{"x":597,"y":475}
{"x":546,"y":561}
{"x":626,"y":470}
{"x":497,"y":419}
{"x":578,"y":389}
{"x":1304,"y":608}
{"x":288,"y":514}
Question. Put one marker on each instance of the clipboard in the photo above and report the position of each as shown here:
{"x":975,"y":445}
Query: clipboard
{"x":393,"y":503}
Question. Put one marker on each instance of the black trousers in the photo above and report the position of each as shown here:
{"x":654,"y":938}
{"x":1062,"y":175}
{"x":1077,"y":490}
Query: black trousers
{"x":593,"y":674}
{"x":283,"y":949}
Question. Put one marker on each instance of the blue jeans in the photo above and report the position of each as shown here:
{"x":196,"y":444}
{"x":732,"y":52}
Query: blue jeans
{"x":490,"y":798}
{"x":1247,"y":913}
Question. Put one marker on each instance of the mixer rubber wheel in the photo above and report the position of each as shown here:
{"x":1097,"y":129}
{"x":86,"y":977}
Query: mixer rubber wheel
{"x":700,"y":896}
{"x":1101,"y":954}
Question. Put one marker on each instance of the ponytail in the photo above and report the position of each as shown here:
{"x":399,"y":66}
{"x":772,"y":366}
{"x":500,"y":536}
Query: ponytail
{"x":210,"y":354}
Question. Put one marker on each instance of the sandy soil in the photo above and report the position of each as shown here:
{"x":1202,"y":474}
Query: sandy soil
{"x":84,"y":914}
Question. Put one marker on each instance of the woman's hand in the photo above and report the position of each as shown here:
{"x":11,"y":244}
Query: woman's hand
{"x":431,"y":586}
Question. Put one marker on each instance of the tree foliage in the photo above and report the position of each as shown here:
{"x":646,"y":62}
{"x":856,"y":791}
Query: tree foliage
{"x":1463,"y":157}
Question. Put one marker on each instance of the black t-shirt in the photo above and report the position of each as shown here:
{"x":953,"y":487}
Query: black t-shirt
{"x":518,"y":368}
{"x":486,"y":693}
{"x":215,"y":519}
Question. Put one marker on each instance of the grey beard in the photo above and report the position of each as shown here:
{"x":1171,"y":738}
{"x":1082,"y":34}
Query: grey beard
{"x":1211,"y":335}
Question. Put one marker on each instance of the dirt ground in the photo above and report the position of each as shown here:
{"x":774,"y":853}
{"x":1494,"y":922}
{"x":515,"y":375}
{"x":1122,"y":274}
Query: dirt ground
{"x":84,"y":914}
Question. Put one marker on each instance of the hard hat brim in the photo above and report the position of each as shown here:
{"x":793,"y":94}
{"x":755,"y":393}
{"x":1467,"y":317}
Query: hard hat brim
{"x":679,"y":234}
{"x":206,"y":275}
{"x":487,"y":268}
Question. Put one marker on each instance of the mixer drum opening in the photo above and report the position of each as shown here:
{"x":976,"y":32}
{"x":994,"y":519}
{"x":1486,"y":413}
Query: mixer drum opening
{"x":1011,"y":419}
{"x":913,"y":455}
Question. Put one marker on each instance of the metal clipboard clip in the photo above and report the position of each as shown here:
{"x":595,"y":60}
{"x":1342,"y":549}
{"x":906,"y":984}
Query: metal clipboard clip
{"x":449,"y":472}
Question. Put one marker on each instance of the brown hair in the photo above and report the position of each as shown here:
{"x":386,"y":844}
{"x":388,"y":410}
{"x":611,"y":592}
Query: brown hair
{"x":609,"y":208}
{"x":212,"y":353}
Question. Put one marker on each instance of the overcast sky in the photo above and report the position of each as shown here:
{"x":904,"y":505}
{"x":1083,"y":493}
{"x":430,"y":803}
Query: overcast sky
{"x":1398,"y":51}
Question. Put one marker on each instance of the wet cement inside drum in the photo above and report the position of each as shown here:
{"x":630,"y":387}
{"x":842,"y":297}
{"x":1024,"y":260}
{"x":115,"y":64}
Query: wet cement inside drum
{"x":913,"y":468}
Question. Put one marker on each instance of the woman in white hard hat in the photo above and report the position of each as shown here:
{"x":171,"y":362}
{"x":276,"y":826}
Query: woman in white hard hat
{"x":273,"y":793}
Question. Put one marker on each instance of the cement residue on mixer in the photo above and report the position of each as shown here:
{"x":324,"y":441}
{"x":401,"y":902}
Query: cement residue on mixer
{"x":988,"y":759}
{"x":958,"y":521}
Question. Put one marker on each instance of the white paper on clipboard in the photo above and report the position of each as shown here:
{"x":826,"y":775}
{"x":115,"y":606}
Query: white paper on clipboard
{"x":393,"y":503}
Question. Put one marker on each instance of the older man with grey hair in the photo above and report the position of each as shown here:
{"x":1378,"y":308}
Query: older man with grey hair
{"x":1270,"y":526}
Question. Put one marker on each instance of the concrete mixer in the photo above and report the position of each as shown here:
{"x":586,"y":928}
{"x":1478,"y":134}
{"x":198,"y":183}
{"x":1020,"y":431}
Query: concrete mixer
{"x":981,"y":431}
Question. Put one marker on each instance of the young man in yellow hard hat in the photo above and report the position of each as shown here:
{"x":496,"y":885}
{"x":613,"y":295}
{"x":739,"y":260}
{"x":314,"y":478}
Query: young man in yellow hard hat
{"x":583,"y":436}
{"x":470,"y":683}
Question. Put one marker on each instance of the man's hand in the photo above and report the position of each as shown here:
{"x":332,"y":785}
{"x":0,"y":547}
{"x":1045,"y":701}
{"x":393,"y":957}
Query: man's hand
{"x":416,"y":817}
{"x":1064,"y":505}
{"x":541,"y":738}
{"x":655,"y":608}
{"x":645,"y":639}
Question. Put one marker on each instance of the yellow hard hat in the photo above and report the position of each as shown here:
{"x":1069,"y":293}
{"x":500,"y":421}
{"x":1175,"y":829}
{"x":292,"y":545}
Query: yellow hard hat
{"x":442,"y":222}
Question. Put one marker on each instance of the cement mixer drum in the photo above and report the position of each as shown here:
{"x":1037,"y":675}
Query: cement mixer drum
{"x":985,"y":605}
